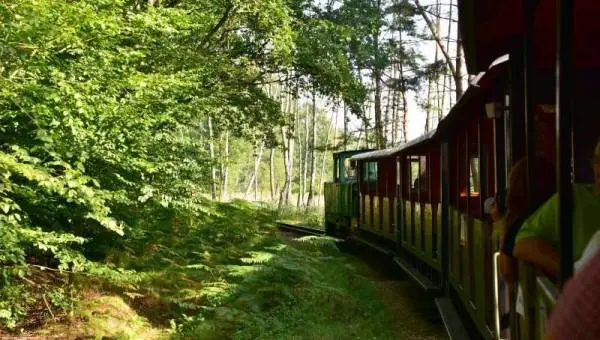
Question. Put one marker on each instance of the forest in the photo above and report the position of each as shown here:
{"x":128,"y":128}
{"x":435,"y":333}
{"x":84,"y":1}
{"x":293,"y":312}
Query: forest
{"x":134,"y":134}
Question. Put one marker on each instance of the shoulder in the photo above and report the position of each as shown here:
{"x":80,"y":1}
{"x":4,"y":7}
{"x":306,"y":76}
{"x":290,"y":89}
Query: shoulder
{"x":583,"y":189}
{"x":541,"y":222}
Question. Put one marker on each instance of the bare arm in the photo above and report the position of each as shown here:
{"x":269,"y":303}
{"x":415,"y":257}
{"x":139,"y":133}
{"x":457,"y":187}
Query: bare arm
{"x":508,"y":268}
{"x":540,"y":253}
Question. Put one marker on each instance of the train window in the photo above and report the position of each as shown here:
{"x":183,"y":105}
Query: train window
{"x":474,"y":185}
{"x":423,"y":180}
{"x":370,"y":172}
{"x":336,"y":169}
{"x":414,"y":173}
{"x":349,"y":169}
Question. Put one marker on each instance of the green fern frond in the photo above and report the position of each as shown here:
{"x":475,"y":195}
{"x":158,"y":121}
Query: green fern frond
{"x":257,"y":257}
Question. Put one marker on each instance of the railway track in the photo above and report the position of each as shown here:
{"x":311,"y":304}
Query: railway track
{"x":300,"y":229}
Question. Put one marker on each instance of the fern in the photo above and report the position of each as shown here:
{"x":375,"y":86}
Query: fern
{"x":257,"y":257}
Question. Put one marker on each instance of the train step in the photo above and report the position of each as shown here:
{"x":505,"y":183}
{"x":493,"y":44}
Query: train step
{"x":419,"y":278}
{"x":454,"y":327}
{"x":383,"y":250}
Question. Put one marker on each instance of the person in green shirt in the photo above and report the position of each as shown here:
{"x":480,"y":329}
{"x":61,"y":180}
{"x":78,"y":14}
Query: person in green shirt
{"x":538,"y":239}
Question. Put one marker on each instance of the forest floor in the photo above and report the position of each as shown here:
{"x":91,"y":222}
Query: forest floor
{"x":415,"y":315}
{"x":233,"y":277}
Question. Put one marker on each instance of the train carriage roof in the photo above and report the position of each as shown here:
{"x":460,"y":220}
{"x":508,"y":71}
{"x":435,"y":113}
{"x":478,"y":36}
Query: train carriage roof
{"x":349,"y":153}
{"x":384,"y":153}
{"x":376,"y":154}
{"x":491,"y":28}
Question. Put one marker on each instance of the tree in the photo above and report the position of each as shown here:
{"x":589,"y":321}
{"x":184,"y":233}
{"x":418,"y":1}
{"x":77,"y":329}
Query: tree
{"x":454,"y":67}
{"x":313,"y":154}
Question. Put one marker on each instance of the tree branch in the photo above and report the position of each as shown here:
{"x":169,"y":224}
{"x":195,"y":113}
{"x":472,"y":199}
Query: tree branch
{"x":437,"y":38}
{"x":228,"y":13}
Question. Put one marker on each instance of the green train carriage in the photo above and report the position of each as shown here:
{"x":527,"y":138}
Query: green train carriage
{"x":341,"y":195}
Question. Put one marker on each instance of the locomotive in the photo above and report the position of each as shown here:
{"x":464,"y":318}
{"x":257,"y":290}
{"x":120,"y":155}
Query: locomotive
{"x":532,"y":94}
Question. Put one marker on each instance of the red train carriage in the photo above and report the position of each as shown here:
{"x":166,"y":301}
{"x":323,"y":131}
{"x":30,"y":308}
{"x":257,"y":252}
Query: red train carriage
{"x":419,"y":235}
{"x":471,"y":154}
{"x":425,"y":198}
{"x":377,"y":196}
{"x":544,"y":98}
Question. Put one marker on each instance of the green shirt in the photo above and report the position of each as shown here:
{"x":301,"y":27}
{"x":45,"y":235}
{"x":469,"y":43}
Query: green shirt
{"x":543,"y":223}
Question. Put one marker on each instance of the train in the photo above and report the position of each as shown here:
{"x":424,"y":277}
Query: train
{"x":532,"y":92}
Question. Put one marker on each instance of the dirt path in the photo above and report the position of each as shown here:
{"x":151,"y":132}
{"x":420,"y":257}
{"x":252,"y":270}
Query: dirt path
{"x":415,"y":314}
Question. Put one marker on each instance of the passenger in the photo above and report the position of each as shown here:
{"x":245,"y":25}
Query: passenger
{"x":517,"y":202}
{"x":493,"y":207}
{"x":576,"y":313}
{"x":538,"y":239}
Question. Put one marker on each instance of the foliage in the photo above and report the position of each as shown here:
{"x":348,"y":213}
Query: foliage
{"x":99,"y":110}
{"x":103,"y":167}
{"x":302,"y":288}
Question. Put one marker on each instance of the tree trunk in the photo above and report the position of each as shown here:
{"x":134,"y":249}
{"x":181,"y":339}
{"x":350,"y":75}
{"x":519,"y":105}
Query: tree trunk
{"x":404,"y":117}
{"x":305,"y":159}
{"x":313,"y":156}
{"x":448,"y":44}
{"x":288,"y":156}
{"x":404,"y":99}
{"x":428,"y":103}
{"x":386,"y":118}
{"x":366,"y":123}
{"x":395,"y":111}
{"x":254,"y":177}
{"x":292,"y":105}
{"x":324,"y":154}
{"x":394,"y":117}
{"x":213,"y":169}
{"x":284,"y":195}
{"x":436,"y":37}
{"x":430,"y":97}
{"x":225,"y":167}
{"x":272,"y":173}
{"x":346,"y":137}
{"x":301,"y":157}
{"x":459,"y":65}
{"x":379,"y":140}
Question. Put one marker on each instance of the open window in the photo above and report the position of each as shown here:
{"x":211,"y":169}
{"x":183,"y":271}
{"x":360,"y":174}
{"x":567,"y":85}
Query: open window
{"x":414,"y":174}
{"x":336,"y":169}
{"x":349,"y":169}
{"x":370,"y":172}
{"x":474,"y":184}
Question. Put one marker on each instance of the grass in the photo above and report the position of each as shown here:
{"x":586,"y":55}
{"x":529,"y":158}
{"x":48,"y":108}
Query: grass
{"x":342,"y":304}
{"x":309,"y":291}
{"x":226,"y":274}
{"x":103,"y":316}
{"x":310,"y":216}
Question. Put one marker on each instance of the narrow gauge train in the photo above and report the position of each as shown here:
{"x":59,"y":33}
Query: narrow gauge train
{"x":534,"y":94}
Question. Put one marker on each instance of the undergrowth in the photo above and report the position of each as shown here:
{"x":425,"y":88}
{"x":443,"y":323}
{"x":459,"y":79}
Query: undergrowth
{"x":309,"y":216}
{"x":223,"y":273}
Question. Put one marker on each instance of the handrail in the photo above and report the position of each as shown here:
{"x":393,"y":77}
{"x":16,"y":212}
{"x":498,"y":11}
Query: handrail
{"x":496,"y":299}
{"x":547,"y":288}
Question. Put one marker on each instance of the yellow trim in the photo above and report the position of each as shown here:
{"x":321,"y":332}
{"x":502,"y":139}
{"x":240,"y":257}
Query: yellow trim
{"x":386,"y":226}
{"x":367,"y":221}
{"x":396,"y":226}
{"x":376,"y":215}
